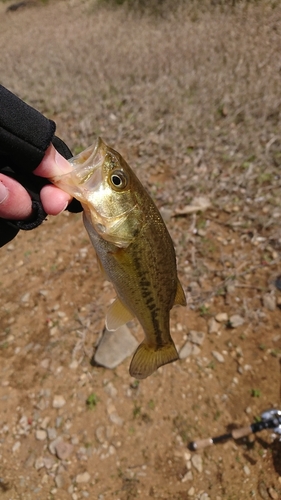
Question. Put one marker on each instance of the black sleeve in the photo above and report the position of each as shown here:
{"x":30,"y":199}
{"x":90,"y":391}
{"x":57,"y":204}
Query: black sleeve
{"x":25,"y":135}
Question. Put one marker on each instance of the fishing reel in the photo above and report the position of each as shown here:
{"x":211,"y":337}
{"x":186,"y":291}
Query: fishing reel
{"x":273,"y":416}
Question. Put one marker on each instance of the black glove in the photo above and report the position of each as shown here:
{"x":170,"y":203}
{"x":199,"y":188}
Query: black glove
{"x":25,"y":135}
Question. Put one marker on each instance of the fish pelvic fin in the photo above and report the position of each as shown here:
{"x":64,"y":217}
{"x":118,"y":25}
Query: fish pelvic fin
{"x":147,"y":359}
{"x":117,"y":315}
{"x":180,"y":295}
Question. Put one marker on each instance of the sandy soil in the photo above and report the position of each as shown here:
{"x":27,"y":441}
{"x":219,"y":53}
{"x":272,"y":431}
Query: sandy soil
{"x":121,"y":439}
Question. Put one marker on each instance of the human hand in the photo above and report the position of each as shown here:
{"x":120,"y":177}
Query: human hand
{"x":15,"y":202}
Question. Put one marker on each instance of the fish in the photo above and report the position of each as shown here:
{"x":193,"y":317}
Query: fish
{"x":134,"y":250}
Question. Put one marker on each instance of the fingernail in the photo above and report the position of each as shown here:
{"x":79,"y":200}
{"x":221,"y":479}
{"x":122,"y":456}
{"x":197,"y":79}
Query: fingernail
{"x":62,"y":163}
{"x":64,"y":208}
{"x":3,"y":192}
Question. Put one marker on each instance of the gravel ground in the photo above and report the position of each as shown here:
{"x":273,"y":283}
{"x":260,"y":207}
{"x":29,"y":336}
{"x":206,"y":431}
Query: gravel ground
{"x":70,"y":429}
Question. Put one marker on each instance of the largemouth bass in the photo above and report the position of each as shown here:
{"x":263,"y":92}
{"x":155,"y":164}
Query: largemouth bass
{"x":133,"y":247}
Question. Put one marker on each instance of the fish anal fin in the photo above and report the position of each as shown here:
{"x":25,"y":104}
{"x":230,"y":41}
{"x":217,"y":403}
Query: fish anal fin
{"x":117,"y":315}
{"x":147,"y":359}
{"x":180,"y":295}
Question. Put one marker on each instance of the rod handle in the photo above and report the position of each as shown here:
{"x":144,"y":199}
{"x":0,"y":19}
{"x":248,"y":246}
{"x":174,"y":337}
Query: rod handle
{"x":200,"y":443}
{"x":242,"y":432}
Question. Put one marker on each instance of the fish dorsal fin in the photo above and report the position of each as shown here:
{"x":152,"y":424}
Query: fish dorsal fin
{"x":180,"y":295}
{"x":117,"y":315}
{"x":147,"y":359}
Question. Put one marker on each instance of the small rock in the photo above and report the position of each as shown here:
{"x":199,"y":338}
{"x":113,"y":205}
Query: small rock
{"x":111,"y":450}
{"x":75,"y":440}
{"x":52,"y":433}
{"x":73,"y":365}
{"x":59,"y":421}
{"x":41,"y":405}
{"x":81,"y":453}
{"x":63,"y":450}
{"x":269,"y":301}
{"x":58,"y":401}
{"x":39,"y":463}
{"x":198,"y":204}
{"x":196,"y":337}
{"x":45,"y":479}
{"x":187,"y":477}
{"x":109,"y":432}
{"x":59,"y":480}
{"x":262,"y":490}
{"x":114,"y":347}
{"x":236,"y":321}
{"x":53,"y":444}
{"x":49,"y":462}
{"x":115,"y":419}
{"x":44,"y":423}
{"x":83,"y":478}
{"x":53,"y":331}
{"x":191,"y":491}
{"x":100,"y":434}
{"x":197,"y":463}
{"x":222,"y":317}
{"x":194,"y":288}
{"x":186,"y":350}
{"x":111,"y":390}
{"x":25,"y":297}
{"x":113,"y":415}
{"x":213,"y":326}
{"x":166,"y":213}
{"x":40,"y":434}
{"x":273,"y":494}
{"x":45,"y":363}
{"x":195,"y":350}
{"x":16,"y":446}
{"x":204,"y":496}
{"x":30,"y":460}
{"x":230,"y":288}
{"x":246,"y":470}
{"x":219,"y":357}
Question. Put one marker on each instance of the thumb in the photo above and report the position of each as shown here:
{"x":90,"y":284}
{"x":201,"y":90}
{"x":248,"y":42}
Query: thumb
{"x":53,"y":164}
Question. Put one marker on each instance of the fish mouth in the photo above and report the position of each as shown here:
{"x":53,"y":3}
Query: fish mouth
{"x":86,"y":175}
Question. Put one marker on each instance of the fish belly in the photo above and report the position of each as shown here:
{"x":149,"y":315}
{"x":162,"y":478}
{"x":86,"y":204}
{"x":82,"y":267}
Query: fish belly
{"x":145,"y":279}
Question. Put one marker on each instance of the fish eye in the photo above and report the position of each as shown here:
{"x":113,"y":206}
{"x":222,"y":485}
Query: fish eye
{"x":118,"y":179}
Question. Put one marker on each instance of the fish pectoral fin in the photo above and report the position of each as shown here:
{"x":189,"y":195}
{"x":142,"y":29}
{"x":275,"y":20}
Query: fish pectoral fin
{"x":147,"y":359}
{"x":180,"y":295}
{"x":117,"y":315}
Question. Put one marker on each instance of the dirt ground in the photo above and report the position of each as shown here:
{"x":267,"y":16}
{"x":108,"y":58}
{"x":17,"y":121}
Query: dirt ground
{"x":192,"y":101}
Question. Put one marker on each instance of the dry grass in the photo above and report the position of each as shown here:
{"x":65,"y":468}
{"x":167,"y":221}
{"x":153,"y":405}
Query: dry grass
{"x":196,"y":88}
{"x":208,"y":79}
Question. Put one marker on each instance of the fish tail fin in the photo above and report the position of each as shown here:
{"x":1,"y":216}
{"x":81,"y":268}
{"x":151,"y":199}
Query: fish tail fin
{"x":147,"y":359}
